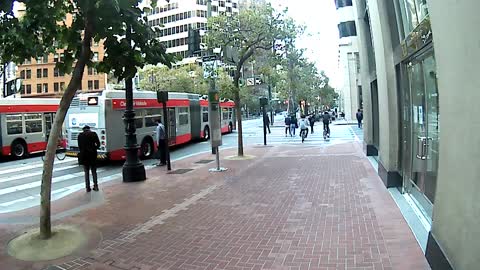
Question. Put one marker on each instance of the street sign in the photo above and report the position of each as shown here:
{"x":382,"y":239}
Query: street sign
{"x":250,"y":81}
{"x":210,"y":65}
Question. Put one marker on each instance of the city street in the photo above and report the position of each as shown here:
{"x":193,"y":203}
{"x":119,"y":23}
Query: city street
{"x":20,"y":179}
{"x":317,"y":205}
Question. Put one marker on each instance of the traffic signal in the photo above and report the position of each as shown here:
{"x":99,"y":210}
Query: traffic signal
{"x":193,"y":41}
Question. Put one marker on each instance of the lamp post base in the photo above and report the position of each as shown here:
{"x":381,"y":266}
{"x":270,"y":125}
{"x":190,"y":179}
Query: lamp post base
{"x":134,"y":173}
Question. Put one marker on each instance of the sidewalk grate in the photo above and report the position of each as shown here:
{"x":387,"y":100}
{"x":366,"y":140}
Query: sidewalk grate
{"x":180,"y":171}
{"x":204,"y":161}
{"x":53,"y":267}
{"x":263,"y":146}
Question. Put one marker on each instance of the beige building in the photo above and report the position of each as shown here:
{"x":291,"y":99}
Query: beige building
{"x":41,"y":78}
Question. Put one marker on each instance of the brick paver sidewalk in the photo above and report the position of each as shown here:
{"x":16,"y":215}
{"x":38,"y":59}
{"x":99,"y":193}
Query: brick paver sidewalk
{"x":299,"y":207}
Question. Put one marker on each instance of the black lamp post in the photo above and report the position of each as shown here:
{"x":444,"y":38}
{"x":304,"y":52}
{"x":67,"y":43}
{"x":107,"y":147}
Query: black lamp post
{"x":133,"y":169}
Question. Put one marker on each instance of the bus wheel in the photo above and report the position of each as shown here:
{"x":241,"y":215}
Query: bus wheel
{"x":147,"y":149}
{"x":19,"y":149}
{"x":206,"y":133}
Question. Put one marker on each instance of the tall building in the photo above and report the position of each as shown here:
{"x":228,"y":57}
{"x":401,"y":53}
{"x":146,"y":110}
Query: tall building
{"x":41,"y":78}
{"x":177,"y":17}
{"x":419,"y":61}
{"x":350,"y":89}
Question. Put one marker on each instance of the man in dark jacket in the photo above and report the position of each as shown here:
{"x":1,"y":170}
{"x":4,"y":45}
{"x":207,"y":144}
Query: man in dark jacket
{"x":359,"y":118}
{"x":311,"y":119}
{"x":88,"y":143}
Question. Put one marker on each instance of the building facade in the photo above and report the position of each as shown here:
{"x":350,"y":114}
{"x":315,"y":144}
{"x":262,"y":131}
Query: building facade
{"x":41,"y":78}
{"x":418,"y":61}
{"x":350,"y":88}
{"x":175,"y":18}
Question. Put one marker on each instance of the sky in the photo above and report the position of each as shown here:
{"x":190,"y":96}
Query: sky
{"x":321,"y":38}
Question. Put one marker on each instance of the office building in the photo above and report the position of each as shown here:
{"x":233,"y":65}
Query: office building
{"x":419,"y":73}
{"x":176,"y":18}
{"x":349,"y":89}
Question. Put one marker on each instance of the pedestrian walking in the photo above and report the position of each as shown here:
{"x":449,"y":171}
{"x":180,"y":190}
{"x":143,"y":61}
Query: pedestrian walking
{"x":293,"y":125}
{"x":88,"y":143}
{"x":359,"y":116}
{"x":161,"y":143}
{"x":288,"y":121}
{"x":267,"y":123}
{"x":312,"y":122}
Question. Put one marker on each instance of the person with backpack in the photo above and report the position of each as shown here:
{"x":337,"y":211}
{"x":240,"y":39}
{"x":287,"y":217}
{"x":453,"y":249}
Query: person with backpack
{"x":304,"y":123}
{"x":326,"y":118}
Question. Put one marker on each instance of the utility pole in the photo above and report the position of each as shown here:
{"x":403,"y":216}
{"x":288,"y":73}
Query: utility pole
{"x":213,"y":101}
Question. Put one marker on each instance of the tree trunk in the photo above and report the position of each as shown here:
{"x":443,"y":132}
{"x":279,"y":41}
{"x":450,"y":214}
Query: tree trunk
{"x":238,"y":109}
{"x":75,"y":83}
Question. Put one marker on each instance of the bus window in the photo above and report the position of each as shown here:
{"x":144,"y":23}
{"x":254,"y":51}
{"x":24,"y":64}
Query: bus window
{"x":183,"y":116}
{"x":14,"y":124}
{"x":205,"y":115}
{"x":151,"y":116}
{"x":33,"y":122}
{"x":224,"y":114}
{"x":230,"y":113}
{"x":138,"y":122}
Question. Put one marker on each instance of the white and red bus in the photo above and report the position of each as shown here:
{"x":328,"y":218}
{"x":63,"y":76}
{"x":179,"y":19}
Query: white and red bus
{"x":25,"y":125}
{"x":103,"y":112}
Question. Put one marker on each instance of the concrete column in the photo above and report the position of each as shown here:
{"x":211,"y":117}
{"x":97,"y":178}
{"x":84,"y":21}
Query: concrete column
{"x":387,"y":94}
{"x":456,"y":215}
{"x":363,"y":33}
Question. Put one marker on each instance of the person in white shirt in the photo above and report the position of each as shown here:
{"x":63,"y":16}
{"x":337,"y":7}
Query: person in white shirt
{"x":162,"y":144}
{"x":304,"y":124}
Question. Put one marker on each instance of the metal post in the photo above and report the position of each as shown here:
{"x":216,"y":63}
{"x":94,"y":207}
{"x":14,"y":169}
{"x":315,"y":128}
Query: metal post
{"x":217,"y":157}
{"x":167,"y":135}
{"x":264,"y":125}
{"x":5,"y":80}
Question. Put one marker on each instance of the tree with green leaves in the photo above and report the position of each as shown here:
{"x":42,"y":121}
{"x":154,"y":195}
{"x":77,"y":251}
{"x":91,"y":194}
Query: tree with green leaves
{"x":185,"y":78}
{"x":44,"y":28}
{"x":252,"y":30}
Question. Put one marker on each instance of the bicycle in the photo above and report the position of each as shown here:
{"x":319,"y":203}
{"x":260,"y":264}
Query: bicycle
{"x":303,"y":135}
{"x":326,"y":134}
{"x":60,"y":152}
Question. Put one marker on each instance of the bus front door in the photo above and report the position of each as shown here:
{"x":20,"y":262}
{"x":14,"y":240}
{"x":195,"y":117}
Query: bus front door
{"x":172,"y":128}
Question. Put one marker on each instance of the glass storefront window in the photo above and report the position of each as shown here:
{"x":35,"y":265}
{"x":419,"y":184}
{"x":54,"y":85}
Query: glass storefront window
{"x":413,"y":12}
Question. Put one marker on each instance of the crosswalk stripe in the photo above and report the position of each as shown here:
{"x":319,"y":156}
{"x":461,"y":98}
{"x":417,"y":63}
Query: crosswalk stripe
{"x":37,"y":184}
{"x":17,"y":168}
{"x":26,"y":175}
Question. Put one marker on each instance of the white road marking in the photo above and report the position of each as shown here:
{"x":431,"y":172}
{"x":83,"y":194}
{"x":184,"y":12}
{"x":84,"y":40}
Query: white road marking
{"x":27,"y":175}
{"x":24,"y":167}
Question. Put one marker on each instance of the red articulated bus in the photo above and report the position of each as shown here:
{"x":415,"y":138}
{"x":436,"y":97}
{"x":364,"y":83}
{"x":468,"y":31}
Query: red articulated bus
{"x":103,"y":112}
{"x":25,"y":125}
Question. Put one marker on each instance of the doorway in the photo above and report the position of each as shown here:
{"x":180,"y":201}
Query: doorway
{"x":421,"y":131}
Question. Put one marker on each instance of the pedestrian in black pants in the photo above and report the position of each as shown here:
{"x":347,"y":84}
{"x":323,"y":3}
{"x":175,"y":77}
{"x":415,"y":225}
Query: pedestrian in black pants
{"x":359,"y":116}
{"x":267,"y":123}
{"x":312,"y":122}
{"x":162,"y":143}
{"x":288,"y":122}
{"x":88,"y":143}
